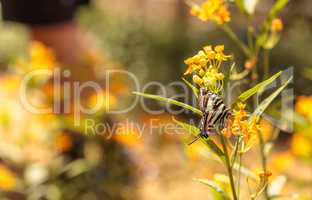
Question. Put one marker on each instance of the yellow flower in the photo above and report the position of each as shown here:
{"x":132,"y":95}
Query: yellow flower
{"x":7,"y":178}
{"x":223,"y":15}
{"x":219,"y":76}
{"x":304,"y":106}
{"x":205,"y":64}
{"x":277,"y":25}
{"x":212,"y":10}
{"x":41,"y":56}
{"x":301,"y":145}
{"x":219,"y":53}
{"x":195,"y":10}
{"x":209,"y":52}
{"x":204,"y":56}
{"x":219,"y":48}
{"x":193,"y":64}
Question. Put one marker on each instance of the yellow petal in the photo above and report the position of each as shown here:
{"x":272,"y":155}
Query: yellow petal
{"x":219,"y":48}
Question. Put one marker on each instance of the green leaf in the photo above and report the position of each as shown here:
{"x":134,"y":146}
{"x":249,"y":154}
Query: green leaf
{"x":214,"y":147}
{"x":277,"y":7}
{"x":188,"y":127}
{"x":245,"y":95}
{"x":214,"y":187}
{"x":209,"y":142}
{"x":265,"y":103}
{"x":193,"y":88}
{"x":170,"y":101}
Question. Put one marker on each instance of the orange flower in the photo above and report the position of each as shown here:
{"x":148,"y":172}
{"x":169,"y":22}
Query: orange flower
{"x":248,"y":129}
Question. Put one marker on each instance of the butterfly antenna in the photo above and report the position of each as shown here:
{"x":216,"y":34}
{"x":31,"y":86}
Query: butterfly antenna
{"x":193,"y":141}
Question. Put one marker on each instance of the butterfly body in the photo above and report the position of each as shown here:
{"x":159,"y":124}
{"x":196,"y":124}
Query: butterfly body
{"x":214,"y":111}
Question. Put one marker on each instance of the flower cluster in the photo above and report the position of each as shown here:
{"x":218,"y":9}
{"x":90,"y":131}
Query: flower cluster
{"x":205,"y":66}
{"x":212,"y":10}
{"x":243,"y":127}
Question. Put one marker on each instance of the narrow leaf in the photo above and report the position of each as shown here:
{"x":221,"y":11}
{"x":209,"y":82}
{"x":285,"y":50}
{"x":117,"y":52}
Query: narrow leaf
{"x":214,"y":147}
{"x":193,"y":88}
{"x":214,"y":187}
{"x":170,"y":101}
{"x":209,"y":142}
{"x":277,"y":7}
{"x":245,"y":95}
{"x":265,"y":103}
{"x":188,"y":127}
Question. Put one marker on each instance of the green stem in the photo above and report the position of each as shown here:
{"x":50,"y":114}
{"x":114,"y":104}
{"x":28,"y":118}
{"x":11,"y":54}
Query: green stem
{"x":266,"y":63}
{"x":239,"y":174}
{"x":263,"y":161}
{"x":228,"y":166}
{"x":250,"y":33}
{"x":226,"y":29}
